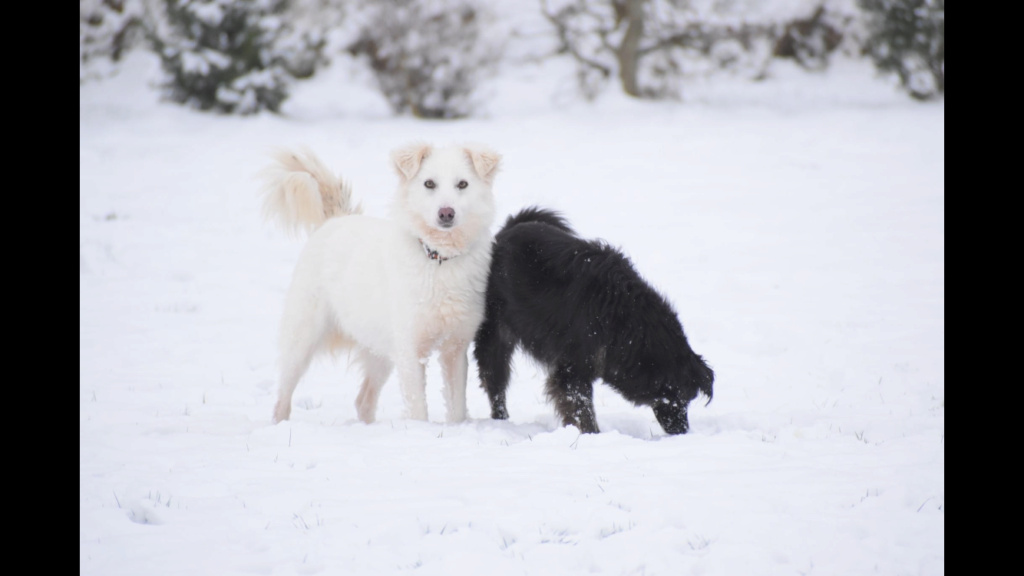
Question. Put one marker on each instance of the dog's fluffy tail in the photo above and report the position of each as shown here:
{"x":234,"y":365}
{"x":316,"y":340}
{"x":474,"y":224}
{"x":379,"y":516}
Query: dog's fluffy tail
{"x":542,"y":215}
{"x":300,"y":193}
{"x":702,"y":376}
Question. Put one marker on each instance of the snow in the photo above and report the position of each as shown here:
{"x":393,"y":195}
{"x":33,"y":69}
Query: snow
{"x":797,"y":225}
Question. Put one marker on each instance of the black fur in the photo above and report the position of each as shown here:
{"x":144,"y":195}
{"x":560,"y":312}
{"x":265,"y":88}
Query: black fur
{"x":580,"y":308}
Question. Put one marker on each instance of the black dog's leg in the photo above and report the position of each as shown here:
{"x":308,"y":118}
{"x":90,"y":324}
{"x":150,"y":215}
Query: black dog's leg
{"x":573,"y":396}
{"x":493,"y":353}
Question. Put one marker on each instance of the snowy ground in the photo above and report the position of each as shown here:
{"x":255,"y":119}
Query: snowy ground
{"x":796,"y":225}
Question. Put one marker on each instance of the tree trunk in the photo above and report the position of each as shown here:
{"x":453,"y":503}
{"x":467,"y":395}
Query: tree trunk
{"x":629,"y":50}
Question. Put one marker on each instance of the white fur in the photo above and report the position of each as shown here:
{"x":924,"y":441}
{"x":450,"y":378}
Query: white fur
{"x":367,"y":285}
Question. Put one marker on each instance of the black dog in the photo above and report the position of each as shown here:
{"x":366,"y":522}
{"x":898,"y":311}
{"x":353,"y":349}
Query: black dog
{"x":581,"y":309}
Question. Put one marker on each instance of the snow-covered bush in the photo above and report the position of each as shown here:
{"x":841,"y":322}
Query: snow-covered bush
{"x":106,"y":30}
{"x":427,"y":56}
{"x":233,"y":56}
{"x":907,"y":38}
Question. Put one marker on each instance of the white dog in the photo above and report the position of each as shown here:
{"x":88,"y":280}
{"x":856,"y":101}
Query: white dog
{"x":390,"y":290}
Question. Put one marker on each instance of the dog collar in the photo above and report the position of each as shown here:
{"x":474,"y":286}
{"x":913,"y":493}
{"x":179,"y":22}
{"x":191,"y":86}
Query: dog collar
{"x":433,"y":254}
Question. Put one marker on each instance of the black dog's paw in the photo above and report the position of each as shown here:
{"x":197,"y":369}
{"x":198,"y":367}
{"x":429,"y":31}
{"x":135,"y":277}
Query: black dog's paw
{"x":672,"y":417}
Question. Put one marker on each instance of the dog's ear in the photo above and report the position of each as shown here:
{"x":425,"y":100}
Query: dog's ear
{"x":485,"y":161}
{"x":407,"y":160}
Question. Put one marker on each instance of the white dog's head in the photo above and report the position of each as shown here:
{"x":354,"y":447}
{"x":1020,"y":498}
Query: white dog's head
{"x":444,"y":194}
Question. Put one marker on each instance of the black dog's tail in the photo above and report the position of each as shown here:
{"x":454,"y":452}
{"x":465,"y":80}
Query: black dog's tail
{"x":541,"y":215}
{"x":703,"y":376}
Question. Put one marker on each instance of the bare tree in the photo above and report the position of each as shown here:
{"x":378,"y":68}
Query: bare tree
{"x":646,"y":43}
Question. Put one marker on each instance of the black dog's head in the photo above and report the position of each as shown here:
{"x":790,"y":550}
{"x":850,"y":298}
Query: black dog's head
{"x":695,"y":377}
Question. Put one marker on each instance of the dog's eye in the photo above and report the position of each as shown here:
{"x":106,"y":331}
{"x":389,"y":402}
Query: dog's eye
{"x":463,"y":184}
{"x":429,"y":184}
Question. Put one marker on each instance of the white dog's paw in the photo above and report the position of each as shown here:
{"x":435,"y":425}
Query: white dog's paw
{"x":282,"y":410}
{"x":456,"y":416}
{"x":366,"y":412}
{"x":418,"y":413}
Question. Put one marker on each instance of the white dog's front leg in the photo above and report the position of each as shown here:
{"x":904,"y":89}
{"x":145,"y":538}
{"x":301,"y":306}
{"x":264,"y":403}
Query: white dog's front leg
{"x":454,"y":367}
{"x":413,"y":381}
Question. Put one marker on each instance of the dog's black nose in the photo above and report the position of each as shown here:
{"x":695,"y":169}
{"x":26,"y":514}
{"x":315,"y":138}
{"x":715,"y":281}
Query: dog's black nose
{"x":445,"y":216}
